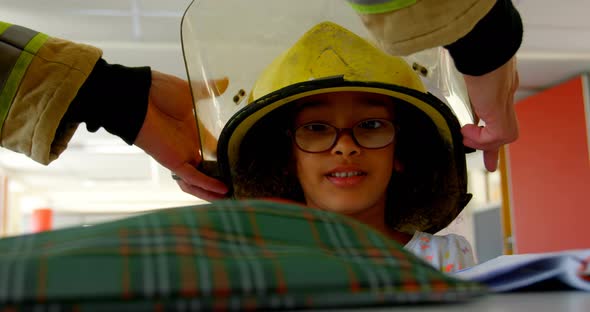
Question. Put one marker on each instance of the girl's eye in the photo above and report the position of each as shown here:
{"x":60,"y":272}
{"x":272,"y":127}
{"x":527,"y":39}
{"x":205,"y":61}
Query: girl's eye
{"x":371,"y":124}
{"x":317,"y":127}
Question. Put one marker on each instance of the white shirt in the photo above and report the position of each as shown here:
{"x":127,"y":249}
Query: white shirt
{"x":448,"y":253}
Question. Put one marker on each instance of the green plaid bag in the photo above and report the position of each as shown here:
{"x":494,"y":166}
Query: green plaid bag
{"x":228,"y":255}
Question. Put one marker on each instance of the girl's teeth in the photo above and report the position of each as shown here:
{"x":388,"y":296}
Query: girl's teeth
{"x":345,"y":174}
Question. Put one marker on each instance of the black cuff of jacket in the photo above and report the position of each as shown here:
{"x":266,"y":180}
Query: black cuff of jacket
{"x":491,"y":43}
{"x":114,"y":97}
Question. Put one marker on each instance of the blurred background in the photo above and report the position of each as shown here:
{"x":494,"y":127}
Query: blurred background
{"x":100,"y":178}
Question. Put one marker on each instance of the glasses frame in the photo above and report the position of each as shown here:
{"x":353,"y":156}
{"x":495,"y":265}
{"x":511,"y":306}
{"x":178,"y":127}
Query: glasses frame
{"x":339,"y":132}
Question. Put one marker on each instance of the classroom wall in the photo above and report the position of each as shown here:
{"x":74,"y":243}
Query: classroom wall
{"x":549,"y":170}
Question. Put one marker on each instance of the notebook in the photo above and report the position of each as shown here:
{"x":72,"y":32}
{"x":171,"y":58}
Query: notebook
{"x":541,"y":271}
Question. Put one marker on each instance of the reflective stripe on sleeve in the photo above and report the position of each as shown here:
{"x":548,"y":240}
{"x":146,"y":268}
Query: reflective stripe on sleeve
{"x":18,"y":46}
{"x":378,"y":6}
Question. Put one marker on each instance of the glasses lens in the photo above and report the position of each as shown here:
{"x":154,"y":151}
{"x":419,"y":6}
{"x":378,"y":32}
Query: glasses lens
{"x":374,"y":133}
{"x":315,"y":137}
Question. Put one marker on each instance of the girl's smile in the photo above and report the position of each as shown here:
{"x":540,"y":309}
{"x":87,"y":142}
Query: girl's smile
{"x":346,"y":176}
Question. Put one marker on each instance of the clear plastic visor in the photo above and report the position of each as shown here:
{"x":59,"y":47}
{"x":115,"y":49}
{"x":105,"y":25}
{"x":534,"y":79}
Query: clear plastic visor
{"x":238,"y":39}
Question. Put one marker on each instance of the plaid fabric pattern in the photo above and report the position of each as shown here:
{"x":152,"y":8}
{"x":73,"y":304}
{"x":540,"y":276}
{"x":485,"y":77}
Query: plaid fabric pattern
{"x":228,"y":255}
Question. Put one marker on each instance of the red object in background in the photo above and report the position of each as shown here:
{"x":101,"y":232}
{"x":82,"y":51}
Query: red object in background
{"x":549,"y":170}
{"x":42,"y":220}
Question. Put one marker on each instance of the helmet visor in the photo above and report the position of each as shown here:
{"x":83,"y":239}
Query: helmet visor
{"x":238,"y":39}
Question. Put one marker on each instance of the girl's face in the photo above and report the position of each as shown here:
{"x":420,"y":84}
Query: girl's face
{"x":346,"y":178}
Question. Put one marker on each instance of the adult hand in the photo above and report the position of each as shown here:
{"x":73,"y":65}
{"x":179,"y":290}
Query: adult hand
{"x":492,"y":98}
{"x":169,"y":133}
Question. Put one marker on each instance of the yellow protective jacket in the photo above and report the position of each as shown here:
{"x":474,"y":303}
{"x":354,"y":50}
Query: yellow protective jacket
{"x":406,"y":26}
{"x":39,"y":78}
{"x":480,"y":35}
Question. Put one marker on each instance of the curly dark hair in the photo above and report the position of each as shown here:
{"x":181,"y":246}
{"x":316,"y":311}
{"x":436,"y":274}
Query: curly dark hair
{"x":418,"y":195}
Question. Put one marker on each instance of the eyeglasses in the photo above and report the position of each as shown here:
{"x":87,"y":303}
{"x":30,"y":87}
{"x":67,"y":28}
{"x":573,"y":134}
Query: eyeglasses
{"x":317,"y":137}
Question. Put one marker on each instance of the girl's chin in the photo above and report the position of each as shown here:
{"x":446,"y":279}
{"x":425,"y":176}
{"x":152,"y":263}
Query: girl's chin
{"x":344,"y":207}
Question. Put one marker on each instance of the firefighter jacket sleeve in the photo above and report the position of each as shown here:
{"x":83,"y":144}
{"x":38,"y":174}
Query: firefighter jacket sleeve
{"x":50,"y":85}
{"x":480,"y":35}
{"x":39,"y":78}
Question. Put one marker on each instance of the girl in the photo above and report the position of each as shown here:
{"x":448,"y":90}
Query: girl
{"x":338,"y":125}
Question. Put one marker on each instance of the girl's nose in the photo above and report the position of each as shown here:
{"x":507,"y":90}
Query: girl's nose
{"x":346,"y":145}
